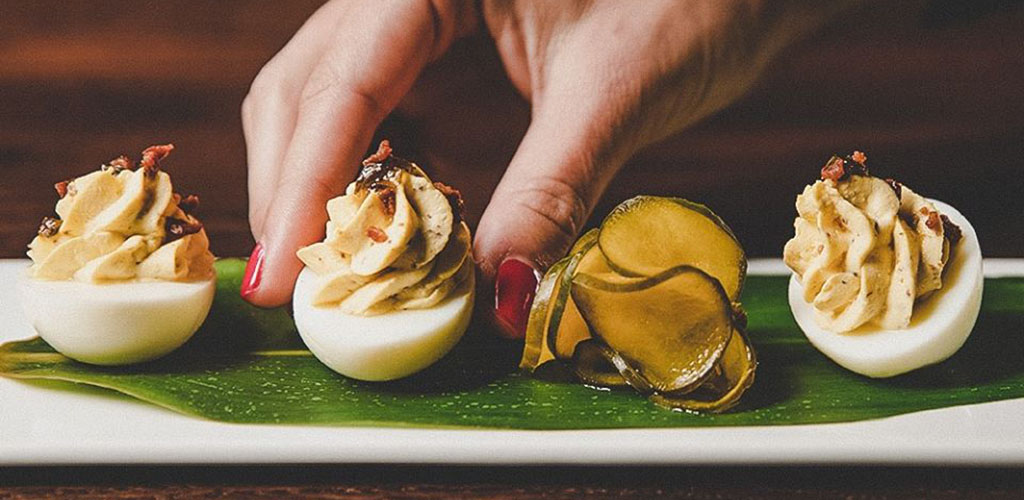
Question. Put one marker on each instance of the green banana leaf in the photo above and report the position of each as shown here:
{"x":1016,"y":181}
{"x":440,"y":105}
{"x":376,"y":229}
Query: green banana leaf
{"x":248,"y":365}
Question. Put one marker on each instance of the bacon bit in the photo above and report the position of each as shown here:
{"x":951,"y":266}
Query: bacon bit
{"x":897,"y":187}
{"x":454,"y":199}
{"x":151,"y":157}
{"x":117,"y":165}
{"x":376,"y":234}
{"x":383,"y":152}
{"x":65,"y":188}
{"x":382,"y":166}
{"x":950,"y":230}
{"x":189,"y":203}
{"x":177,"y":228}
{"x":934,"y":222}
{"x":840,"y":168}
{"x":386,"y":192}
{"x":49,"y":226}
{"x":833,"y":169}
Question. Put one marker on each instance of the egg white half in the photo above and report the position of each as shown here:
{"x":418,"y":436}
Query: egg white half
{"x":938,"y":328}
{"x":386,"y":346}
{"x":117,"y":323}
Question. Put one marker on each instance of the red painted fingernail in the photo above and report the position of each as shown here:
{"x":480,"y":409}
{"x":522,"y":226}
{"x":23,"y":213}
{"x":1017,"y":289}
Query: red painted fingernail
{"x":253,"y":272}
{"x":513,"y":296}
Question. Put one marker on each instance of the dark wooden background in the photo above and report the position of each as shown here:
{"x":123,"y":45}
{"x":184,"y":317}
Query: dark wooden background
{"x":510,"y":483}
{"x":934,"y":93}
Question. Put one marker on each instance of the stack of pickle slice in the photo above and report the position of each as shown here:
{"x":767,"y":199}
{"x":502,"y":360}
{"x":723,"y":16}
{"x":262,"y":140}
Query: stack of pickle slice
{"x":649,"y":300}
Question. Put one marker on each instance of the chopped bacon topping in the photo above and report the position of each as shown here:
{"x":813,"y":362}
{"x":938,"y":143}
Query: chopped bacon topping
{"x":49,"y":226}
{"x":840,"y":168}
{"x":189,"y":203}
{"x":151,"y":157}
{"x":950,"y":230}
{"x":386,"y":192}
{"x":64,"y":188}
{"x":833,"y":169}
{"x":178,"y":228}
{"x":377,"y":173}
{"x":383,"y":152}
{"x":454,"y":199}
{"x":381,"y":167}
{"x":376,"y":234}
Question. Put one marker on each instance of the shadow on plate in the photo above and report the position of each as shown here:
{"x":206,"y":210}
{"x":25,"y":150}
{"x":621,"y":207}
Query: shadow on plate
{"x":481,"y":357}
{"x":994,"y":352}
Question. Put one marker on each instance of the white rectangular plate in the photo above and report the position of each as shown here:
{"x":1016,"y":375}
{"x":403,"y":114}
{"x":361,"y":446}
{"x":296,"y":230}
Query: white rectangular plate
{"x":42,"y":425}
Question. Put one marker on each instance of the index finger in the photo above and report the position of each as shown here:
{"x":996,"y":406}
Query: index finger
{"x":375,"y":57}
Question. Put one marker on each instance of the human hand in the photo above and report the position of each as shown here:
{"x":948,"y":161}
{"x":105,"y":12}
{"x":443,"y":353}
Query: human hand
{"x":603,"y":79}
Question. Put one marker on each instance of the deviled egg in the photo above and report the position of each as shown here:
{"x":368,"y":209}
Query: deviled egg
{"x":885,"y":281}
{"x":390,"y":289}
{"x":124,"y":273}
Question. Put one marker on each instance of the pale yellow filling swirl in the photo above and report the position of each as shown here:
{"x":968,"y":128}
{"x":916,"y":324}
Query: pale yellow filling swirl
{"x":113,"y":229}
{"x":374,"y":261}
{"x":863,"y":254}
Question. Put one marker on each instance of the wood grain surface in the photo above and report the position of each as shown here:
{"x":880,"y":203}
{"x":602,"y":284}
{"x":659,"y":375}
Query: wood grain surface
{"x":416,"y":483}
{"x":932,"y":92}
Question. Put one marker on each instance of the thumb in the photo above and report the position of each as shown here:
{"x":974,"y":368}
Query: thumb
{"x":542,"y":202}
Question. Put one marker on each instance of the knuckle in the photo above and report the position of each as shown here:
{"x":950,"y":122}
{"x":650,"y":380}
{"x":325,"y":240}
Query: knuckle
{"x":268,"y":86}
{"x":309,"y":187}
{"x":326,"y":86}
{"x":265,"y":83}
{"x":556,"y":202}
{"x":271,"y":84}
{"x":247,"y":111}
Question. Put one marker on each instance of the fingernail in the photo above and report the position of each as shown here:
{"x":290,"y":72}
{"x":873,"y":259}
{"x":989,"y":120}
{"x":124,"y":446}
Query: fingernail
{"x":253,"y":272}
{"x":513,"y":295}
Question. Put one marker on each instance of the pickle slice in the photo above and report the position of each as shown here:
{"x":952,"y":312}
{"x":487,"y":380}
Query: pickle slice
{"x":545,"y":325}
{"x":646,"y":235}
{"x":572,"y":329}
{"x":566,"y":327}
{"x":629,"y":374}
{"x":592,"y":367}
{"x":535,"y":351}
{"x":584,"y":241}
{"x":670,"y":328}
{"x":593,"y":262}
{"x":732,"y":376}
